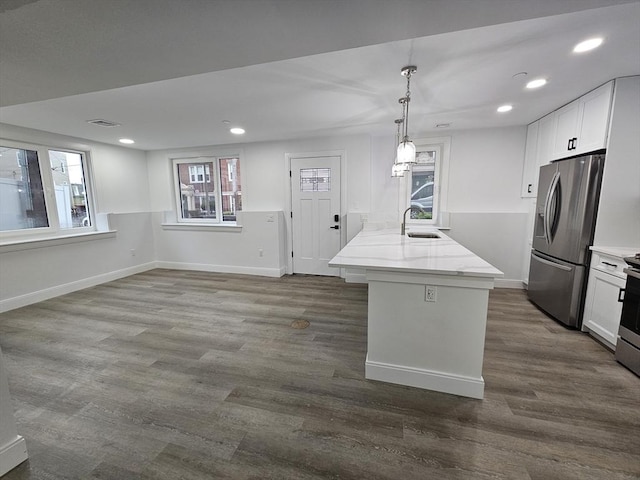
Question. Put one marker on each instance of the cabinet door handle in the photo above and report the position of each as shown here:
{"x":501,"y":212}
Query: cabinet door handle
{"x":529,"y":188}
{"x":621,"y":295}
{"x":569,"y":144}
{"x":609,"y":264}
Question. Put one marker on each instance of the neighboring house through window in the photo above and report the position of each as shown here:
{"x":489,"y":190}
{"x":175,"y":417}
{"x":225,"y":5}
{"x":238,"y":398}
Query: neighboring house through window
{"x":42,"y":190}
{"x":205,"y":198}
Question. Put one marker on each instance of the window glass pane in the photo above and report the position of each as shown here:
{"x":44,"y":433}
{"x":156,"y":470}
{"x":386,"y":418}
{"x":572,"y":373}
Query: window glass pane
{"x":197,"y":190}
{"x":22,"y":203}
{"x":315,"y":179}
{"x":422,"y":181}
{"x":70,"y":187}
{"x":231,"y":188}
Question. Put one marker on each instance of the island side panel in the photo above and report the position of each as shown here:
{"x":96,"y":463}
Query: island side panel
{"x":433,"y":345}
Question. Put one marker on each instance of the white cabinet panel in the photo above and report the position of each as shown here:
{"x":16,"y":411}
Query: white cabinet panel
{"x":595,"y":119}
{"x":537,"y":153}
{"x":566,"y":124}
{"x":602,"y":309}
{"x":581,"y":126}
{"x":530,"y":170}
{"x":545,"y":139}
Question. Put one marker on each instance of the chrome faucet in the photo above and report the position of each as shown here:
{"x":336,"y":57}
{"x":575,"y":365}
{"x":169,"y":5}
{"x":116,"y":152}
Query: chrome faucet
{"x":404,"y":217}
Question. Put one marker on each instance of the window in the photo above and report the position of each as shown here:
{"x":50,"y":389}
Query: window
{"x":315,"y":180}
{"x":42,"y":190}
{"x":71,"y":191}
{"x":203,"y":198}
{"x":424,"y":182}
{"x":197,"y":173}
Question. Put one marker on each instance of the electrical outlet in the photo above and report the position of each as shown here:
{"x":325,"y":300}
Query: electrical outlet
{"x":133,"y":252}
{"x":270,"y":218}
{"x":430,"y":293}
{"x":260,"y":252}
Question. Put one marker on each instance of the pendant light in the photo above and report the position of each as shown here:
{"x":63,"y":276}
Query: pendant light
{"x":406,"y":148}
{"x":398,"y":169}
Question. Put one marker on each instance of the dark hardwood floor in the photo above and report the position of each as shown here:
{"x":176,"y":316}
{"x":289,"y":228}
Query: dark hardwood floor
{"x":191,"y":375}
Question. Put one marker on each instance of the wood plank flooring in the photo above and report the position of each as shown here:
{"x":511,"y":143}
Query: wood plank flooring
{"x":192,"y":375}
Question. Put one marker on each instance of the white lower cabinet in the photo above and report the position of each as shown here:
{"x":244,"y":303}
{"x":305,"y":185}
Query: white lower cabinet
{"x":602,"y":309}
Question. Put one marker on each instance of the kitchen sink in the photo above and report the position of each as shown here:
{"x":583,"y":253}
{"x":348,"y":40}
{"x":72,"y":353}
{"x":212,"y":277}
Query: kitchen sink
{"x":423,"y":235}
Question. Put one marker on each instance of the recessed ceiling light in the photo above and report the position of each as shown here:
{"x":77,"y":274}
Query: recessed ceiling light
{"x":537,"y":83}
{"x":127,"y":141}
{"x":505,"y":108}
{"x":237,"y":130}
{"x":587,"y":45}
{"x":103,"y":123}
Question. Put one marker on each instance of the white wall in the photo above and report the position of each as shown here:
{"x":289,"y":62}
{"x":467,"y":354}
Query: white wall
{"x":44,"y":270}
{"x":486,"y":213}
{"x":254,"y":249}
{"x":618,"y":221}
{"x":486,"y":170}
{"x":264,"y":183}
{"x":119,"y":174}
{"x":265,"y":189}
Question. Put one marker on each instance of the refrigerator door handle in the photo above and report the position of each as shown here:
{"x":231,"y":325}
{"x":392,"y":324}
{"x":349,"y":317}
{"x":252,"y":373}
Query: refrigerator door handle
{"x":547,"y":207}
{"x":551,"y":264}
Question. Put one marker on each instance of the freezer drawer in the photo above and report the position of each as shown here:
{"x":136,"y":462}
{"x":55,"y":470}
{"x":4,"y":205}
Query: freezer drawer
{"x":557,"y":288}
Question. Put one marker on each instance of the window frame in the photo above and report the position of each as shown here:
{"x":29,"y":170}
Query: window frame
{"x":54,"y":229}
{"x":87,"y":178}
{"x":217,"y":181}
{"x":442,"y":146}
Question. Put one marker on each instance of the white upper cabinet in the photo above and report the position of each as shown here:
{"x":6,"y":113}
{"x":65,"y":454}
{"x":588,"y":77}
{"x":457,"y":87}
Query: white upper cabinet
{"x":537,"y":153}
{"x":545,"y":141}
{"x":529,"y":173}
{"x":581,"y":126}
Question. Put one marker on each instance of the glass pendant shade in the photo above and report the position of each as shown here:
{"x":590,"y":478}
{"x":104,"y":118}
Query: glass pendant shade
{"x":397,"y":170}
{"x":406,"y":152}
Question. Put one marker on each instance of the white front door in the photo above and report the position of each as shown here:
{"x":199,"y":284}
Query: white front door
{"x":315,"y":208}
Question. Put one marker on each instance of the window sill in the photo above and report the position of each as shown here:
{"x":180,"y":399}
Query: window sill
{"x":43,"y":242}
{"x":203,"y":227}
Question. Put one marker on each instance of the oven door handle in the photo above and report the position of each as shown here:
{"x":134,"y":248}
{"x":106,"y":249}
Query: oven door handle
{"x":632,"y":272}
{"x":621,"y":295}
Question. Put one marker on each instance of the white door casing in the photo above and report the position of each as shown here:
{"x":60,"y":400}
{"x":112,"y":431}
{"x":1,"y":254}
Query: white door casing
{"x":315,"y":208}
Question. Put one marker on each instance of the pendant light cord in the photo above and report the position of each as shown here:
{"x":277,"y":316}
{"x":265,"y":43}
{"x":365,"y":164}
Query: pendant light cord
{"x":406,"y":108}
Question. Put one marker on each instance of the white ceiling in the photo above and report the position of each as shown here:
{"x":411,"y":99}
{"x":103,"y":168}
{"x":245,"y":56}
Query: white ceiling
{"x":296,"y":68}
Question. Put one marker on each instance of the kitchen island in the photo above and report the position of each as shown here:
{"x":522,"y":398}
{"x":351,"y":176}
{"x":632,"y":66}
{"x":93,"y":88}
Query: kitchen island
{"x":427,"y":309}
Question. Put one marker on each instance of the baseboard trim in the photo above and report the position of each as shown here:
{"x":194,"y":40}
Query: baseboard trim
{"x":509,"y":283}
{"x":12,"y":455}
{"x":427,"y":379}
{"x":202,"y":267}
{"x":47,"y":293}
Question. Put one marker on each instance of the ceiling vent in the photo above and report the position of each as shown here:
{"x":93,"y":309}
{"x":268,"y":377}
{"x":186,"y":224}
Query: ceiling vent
{"x":103,"y":123}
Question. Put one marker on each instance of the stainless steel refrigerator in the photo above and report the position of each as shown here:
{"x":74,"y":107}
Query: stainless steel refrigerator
{"x":566,"y":206}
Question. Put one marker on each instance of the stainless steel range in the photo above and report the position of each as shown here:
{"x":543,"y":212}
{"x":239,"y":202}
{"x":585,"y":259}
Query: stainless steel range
{"x":628,"y":346}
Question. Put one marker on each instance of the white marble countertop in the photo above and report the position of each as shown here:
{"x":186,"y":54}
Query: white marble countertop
{"x":387,"y":250}
{"x":620,"y":252}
